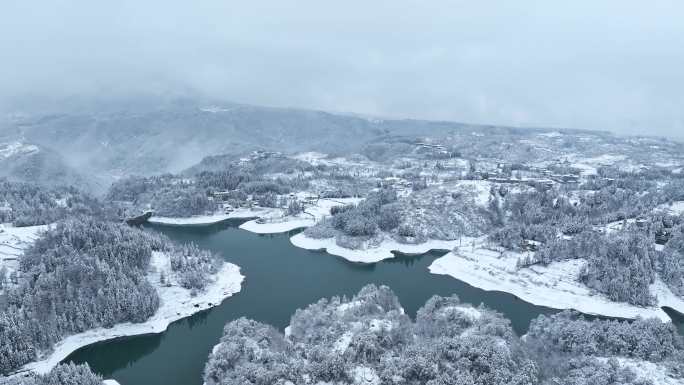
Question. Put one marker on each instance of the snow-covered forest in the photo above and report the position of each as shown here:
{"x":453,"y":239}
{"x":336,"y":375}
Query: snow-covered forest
{"x":608,"y":210}
{"x":562,"y":219}
{"x":341,"y":193}
{"x":28,"y":204}
{"x":190,"y":193}
{"x":66,"y":374}
{"x":368,"y":339}
{"x":84,"y":273}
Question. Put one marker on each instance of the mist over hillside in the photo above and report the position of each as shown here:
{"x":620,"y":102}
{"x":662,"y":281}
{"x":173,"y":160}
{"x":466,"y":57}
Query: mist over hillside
{"x":108,"y":140}
{"x":24,"y":162}
{"x":401,"y":193}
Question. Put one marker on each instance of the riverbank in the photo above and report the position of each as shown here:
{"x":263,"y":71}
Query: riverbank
{"x":555,"y":286}
{"x":282,"y":277}
{"x":267,"y":220}
{"x":207,"y":220}
{"x":370,"y":254}
{"x":175,"y":303}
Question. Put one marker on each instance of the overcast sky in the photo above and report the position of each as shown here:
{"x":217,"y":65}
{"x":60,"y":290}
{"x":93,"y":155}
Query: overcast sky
{"x":616,"y":65}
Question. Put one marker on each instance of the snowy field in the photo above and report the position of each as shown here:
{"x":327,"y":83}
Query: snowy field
{"x":16,"y":148}
{"x":269,"y":220}
{"x":553,"y":286}
{"x":675,"y":208}
{"x":589,"y":166}
{"x":198,"y":220}
{"x":277,"y":222}
{"x":175,"y":301}
{"x":13,"y":242}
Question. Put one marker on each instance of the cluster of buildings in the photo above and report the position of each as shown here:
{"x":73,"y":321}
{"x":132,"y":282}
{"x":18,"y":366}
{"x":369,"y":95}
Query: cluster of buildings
{"x":230,"y":202}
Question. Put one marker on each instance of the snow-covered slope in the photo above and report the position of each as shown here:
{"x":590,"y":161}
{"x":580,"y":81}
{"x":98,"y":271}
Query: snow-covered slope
{"x":13,"y":242}
{"x":555,"y":286}
{"x":11,"y":149}
{"x":277,"y":220}
{"x":25,"y":162}
{"x":371,"y":253}
{"x":175,"y":301}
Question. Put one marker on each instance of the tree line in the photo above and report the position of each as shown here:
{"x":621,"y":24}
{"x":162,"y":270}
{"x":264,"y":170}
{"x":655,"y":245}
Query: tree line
{"x":64,"y":374}
{"x":369,"y":339}
{"x":28,"y":204}
{"x":84,"y":273}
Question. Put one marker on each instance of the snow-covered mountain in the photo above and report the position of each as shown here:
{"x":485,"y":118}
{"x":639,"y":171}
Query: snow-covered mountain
{"x":171,"y":136}
{"x":26,"y":162}
{"x":154,"y":136}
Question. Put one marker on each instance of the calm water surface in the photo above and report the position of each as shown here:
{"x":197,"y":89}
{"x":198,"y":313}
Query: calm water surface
{"x":279,"y":279}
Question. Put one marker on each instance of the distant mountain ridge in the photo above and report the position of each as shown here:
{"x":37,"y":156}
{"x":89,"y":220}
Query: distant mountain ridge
{"x":171,"y":136}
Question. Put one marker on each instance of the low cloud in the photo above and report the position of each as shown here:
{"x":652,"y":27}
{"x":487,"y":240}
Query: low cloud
{"x":612,"y":65}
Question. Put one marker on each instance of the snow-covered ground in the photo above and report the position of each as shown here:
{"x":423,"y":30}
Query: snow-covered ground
{"x":588,"y":166}
{"x":277,"y":222}
{"x":216,"y":109}
{"x":675,"y":208}
{"x":645,"y":370}
{"x":204,"y":220}
{"x":363,"y":375}
{"x":269,"y":220}
{"x":373,"y":253}
{"x":479,"y":190}
{"x":175,"y":302}
{"x":278,"y":225}
{"x":553,"y":286}
{"x":16,"y":148}
{"x":552,"y":134}
{"x":13,"y":242}
{"x":312,"y":157}
{"x":198,"y":220}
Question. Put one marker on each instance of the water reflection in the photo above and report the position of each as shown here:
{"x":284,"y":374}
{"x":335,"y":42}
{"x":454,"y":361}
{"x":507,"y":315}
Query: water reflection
{"x":677,"y":318}
{"x":199,"y":319}
{"x":107,"y":359}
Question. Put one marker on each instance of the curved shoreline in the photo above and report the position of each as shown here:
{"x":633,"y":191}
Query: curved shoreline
{"x":375,"y":254}
{"x":253,"y":226}
{"x":208,"y":220}
{"x":469,"y":268}
{"x":176,"y":304}
{"x":554,"y":286}
{"x":276,"y":219}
